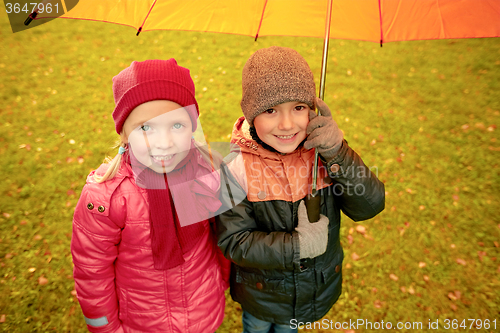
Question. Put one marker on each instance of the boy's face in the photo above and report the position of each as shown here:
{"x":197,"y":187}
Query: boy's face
{"x":159,"y":133}
{"x":283,"y":126}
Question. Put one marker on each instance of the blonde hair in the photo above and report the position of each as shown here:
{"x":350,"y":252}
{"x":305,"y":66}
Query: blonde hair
{"x":114,"y":163}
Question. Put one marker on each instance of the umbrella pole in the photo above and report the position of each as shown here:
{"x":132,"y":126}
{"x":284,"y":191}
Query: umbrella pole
{"x":313,"y":200}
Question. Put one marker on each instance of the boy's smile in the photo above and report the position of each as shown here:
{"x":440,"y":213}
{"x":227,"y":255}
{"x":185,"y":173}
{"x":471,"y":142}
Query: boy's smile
{"x":159,"y":133}
{"x":283,"y":126}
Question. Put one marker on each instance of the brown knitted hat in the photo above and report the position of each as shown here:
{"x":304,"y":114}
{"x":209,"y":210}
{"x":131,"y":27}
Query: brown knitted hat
{"x":273,"y":76}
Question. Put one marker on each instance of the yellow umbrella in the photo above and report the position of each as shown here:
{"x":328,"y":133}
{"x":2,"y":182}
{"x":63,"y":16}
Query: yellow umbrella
{"x":369,"y":20}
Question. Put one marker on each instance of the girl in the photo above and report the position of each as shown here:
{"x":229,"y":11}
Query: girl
{"x":140,"y":263}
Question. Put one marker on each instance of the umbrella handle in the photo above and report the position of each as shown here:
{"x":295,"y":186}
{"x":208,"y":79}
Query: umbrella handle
{"x":313,"y":200}
{"x":312,"y":205}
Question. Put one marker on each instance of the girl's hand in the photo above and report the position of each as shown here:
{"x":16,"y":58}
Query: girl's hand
{"x":323,"y":132}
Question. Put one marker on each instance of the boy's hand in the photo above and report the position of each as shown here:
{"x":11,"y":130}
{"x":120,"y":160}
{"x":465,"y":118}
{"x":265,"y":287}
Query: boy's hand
{"x":323,"y":132}
{"x":313,"y":237}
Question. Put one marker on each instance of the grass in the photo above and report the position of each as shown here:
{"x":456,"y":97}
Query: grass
{"x":422,"y":114}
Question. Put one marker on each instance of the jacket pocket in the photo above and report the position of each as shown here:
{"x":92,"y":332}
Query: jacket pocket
{"x":260,"y":282}
{"x":332,"y":270}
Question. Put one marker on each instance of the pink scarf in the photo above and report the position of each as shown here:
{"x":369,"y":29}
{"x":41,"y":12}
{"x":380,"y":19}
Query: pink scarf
{"x":193,"y":186}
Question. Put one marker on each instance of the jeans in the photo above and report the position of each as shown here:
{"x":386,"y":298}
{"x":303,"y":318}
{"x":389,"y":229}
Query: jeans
{"x":254,"y":325}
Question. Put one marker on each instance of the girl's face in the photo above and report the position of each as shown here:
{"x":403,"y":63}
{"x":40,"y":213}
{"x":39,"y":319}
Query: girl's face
{"x":283,"y":126}
{"x":159,"y":134}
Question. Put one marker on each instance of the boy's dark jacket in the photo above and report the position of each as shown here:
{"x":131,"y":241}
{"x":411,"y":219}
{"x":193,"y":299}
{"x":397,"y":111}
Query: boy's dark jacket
{"x":258,"y":234}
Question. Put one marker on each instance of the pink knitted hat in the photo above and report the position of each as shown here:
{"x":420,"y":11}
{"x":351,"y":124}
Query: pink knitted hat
{"x":152,"y":80}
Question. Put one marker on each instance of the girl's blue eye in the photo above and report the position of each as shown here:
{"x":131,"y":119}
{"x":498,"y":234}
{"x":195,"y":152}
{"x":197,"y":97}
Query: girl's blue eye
{"x":178,"y":126}
{"x":145,"y":128}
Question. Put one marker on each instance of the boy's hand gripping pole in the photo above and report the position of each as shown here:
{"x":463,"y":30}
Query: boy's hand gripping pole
{"x":313,"y":199}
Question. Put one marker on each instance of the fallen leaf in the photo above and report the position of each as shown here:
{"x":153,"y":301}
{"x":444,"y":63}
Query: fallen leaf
{"x":42,"y":280}
{"x":348,"y":265}
{"x":421,"y":207}
{"x":355,"y":256}
{"x":453,"y":307}
{"x":73,"y":292}
{"x":23,"y":222}
{"x":422,"y":264}
{"x":32,"y":269}
{"x":361,"y":229}
{"x":350,"y":239}
{"x":6,"y":215}
{"x":481,"y":254}
{"x":37,"y":237}
{"x":2,"y":318}
{"x":461,"y":261}
{"x":374,"y":290}
{"x":496,"y":244}
{"x":409,"y":190}
{"x":452,"y":296}
{"x":411,"y":290}
{"x":393,"y":277}
{"x":8,"y":255}
{"x":377,"y":304}
{"x":458,"y":294}
{"x":403,"y":289}
{"x":351,"y":230}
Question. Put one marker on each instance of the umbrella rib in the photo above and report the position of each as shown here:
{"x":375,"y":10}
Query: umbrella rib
{"x":442,"y":33}
{"x":261,"y":19}
{"x":143,"y":22}
{"x":381,"y":27}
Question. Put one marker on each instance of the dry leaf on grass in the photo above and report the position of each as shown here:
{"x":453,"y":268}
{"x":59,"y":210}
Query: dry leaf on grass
{"x":42,"y":280}
{"x":361,"y":229}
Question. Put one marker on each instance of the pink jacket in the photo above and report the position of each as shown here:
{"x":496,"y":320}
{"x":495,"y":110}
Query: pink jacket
{"x":117,"y":286}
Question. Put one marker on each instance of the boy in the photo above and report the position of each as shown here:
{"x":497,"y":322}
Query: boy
{"x":285,"y":267}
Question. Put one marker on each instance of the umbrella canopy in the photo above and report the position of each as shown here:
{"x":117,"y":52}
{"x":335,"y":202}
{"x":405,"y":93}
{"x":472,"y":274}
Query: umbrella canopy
{"x":369,"y":20}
